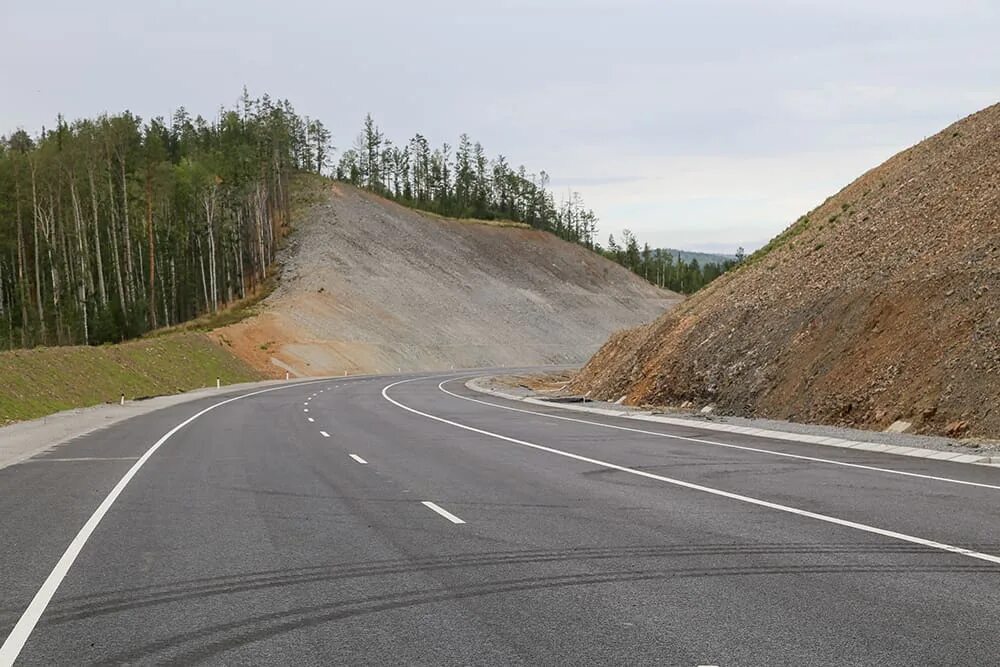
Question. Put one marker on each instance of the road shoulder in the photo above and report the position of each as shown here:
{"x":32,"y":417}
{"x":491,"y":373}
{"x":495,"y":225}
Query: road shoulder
{"x":898,"y":444}
{"x":23,"y":440}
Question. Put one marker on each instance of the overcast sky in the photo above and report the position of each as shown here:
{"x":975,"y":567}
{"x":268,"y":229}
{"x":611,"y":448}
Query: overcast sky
{"x":699,"y":124}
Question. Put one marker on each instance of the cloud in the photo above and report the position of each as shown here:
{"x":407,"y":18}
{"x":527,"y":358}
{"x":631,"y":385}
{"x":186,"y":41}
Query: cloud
{"x":696,"y":123}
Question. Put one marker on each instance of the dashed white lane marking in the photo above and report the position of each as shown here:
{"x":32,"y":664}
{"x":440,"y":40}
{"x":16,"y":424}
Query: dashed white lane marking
{"x":716,"y":443}
{"x":305,"y":410}
{"x":698,"y":487}
{"x":443,"y":512}
{"x":311,"y":420}
{"x":358,"y":459}
{"x":324,"y":434}
{"x":26,"y":623}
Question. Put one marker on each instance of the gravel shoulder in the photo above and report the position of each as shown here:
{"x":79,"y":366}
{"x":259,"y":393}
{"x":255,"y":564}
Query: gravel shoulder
{"x":553,"y":385}
{"x":23,"y":440}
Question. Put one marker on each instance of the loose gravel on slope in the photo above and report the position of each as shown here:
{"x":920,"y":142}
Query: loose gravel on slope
{"x":371,"y":286}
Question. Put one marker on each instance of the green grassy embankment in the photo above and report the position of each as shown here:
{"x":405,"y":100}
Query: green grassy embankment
{"x":38,"y":382}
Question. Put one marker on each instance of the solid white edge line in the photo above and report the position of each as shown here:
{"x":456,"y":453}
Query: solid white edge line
{"x":440,"y":510}
{"x":698,"y":487}
{"x":716,"y":443}
{"x":358,"y":459}
{"x":324,"y":434}
{"x":26,"y":623}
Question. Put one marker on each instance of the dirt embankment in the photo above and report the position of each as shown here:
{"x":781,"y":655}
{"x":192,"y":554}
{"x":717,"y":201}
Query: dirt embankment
{"x":881,"y":304}
{"x":371,"y":286}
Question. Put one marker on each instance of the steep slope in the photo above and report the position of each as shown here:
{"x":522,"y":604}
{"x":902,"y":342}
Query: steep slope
{"x":369,"y":285}
{"x":883,"y":303}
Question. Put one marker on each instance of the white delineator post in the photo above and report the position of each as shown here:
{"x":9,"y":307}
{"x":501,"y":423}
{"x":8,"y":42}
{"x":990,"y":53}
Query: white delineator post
{"x":123,"y":398}
{"x":218,"y":382}
{"x":286,"y":376}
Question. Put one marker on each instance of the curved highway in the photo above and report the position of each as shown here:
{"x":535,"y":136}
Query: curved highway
{"x":409,"y":520}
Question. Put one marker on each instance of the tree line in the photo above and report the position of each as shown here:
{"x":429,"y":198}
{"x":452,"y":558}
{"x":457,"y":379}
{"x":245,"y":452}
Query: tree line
{"x":113,"y":226}
{"x":663,"y":268}
{"x":463,"y":182}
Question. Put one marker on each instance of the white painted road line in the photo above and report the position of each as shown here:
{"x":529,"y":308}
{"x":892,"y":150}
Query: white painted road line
{"x":311,"y":420}
{"x":358,"y":459}
{"x":698,"y":487}
{"x":443,"y":512}
{"x":305,"y":409}
{"x":324,"y":434}
{"x":26,"y":623}
{"x":716,"y":443}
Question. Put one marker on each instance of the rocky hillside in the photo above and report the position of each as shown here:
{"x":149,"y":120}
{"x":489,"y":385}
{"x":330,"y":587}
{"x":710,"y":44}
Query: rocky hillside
{"x":882,"y":304}
{"x":369,"y":285}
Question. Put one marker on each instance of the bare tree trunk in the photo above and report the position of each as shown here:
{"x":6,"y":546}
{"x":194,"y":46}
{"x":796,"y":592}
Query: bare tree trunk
{"x":210,"y":220}
{"x":23,"y":278}
{"x":130,"y":289}
{"x":241,"y":273}
{"x":82,"y":279}
{"x":173,"y":287}
{"x":163,"y":291}
{"x":102,"y":291}
{"x":48,"y":229}
{"x":204,"y":285}
{"x":38,"y":264}
{"x":152,"y":248}
{"x":114,"y":243}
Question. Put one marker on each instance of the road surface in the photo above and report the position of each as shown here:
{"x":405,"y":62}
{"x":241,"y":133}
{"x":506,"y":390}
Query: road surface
{"x":408,"y":520}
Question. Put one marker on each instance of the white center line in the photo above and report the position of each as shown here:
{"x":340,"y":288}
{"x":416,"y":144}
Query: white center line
{"x":443,"y":512}
{"x":324,"y":434}
{"x":305,"y":409}
{"x":358,"y":459}
{"x":311,"y":420}
{"x":990,"y":558}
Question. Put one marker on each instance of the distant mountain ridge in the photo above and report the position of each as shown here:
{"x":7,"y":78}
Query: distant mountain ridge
{"x":702,"y":257}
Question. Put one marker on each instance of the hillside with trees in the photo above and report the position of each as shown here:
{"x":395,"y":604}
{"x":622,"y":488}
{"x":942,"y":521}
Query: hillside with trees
{"x":668,"y":269}
{"x":113,"y":226}
{"x":463,"y":182}
{"x":369,"y":285}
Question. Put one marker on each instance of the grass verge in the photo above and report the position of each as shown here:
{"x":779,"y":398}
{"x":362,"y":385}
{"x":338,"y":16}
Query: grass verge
{"x":38,"y":382}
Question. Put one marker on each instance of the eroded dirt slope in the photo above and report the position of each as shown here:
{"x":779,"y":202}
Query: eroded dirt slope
{"x":881,"y":304}
{"x":371,"y":286}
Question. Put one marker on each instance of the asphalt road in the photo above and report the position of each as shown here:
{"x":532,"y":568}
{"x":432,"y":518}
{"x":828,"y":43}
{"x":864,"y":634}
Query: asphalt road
{"x":343,"y":522}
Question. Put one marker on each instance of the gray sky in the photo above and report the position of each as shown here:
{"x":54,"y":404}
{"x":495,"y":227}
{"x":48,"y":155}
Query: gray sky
{"x":700,"y":124}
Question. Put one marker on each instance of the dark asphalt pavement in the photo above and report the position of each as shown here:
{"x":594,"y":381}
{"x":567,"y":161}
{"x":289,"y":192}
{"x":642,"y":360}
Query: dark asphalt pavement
{"x":251,"y":537}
